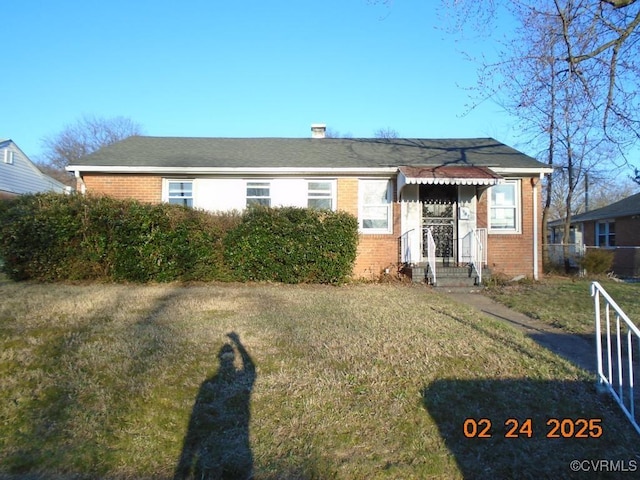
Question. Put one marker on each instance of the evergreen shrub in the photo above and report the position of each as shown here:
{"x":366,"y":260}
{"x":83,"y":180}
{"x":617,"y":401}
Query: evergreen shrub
{"x":597,"y":261}
{"x":51,"y":237}
{"x":293,"y":245}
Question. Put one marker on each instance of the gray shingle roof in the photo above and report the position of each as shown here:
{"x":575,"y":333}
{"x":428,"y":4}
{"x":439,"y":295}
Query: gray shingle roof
{"x":624,"y":208}
{"x":179,"y":152}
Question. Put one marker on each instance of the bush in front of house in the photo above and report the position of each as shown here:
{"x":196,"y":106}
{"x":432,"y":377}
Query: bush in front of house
{"x":33,"y":239}
{"x":597,"y":261}
{"x":51,"y":237}
{"x":293,"y":245}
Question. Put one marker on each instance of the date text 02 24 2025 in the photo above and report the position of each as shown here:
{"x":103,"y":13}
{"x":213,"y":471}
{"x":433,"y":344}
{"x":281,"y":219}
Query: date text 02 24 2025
{"x":554,"y":428}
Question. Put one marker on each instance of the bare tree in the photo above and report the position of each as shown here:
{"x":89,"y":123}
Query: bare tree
{"x":597,"y":44}
{"x":62,"y":176}
{"x":570,"y":73}
{"x":386,"y":133}
{"x":87,"y":135}
{"x":332,"y":133}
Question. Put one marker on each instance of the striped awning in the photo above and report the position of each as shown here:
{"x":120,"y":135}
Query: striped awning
{"x":448,"y":175}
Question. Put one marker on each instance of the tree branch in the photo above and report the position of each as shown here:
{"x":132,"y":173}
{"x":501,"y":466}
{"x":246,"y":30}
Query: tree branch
{"x":624,"y":34}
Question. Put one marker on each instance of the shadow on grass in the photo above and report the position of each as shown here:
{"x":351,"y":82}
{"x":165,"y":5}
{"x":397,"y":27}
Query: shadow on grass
{"x":63,"y":423}
{"x":216,"y":445}
{"x":576,"y":348}
{"x":579,"y":349}
{"x":465,"y":411}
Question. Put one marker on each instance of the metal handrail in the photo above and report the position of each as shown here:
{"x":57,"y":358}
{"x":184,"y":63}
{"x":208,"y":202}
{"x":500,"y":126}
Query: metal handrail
{"x":431,"y":254}
{"x":406,"y":251}
{"x":624,"y":381}
{"x":476,"y":255}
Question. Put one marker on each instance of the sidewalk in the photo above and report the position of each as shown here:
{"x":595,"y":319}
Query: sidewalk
{"x":578,"y":349}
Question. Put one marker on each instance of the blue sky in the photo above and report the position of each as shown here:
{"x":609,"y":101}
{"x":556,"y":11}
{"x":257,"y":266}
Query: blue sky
{"x":240,"y":68}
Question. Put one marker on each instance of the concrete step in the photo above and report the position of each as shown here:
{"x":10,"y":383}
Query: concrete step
{"x":461,"y":276}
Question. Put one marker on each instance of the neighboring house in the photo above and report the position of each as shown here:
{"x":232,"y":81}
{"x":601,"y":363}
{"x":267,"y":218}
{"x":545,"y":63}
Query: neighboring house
{"x":461,"y":189}
{"x":616,"y":226}
{"x":19,"y":175}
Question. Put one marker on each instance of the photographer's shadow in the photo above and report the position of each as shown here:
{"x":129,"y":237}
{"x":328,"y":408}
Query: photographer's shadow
{"x":216,"y":445}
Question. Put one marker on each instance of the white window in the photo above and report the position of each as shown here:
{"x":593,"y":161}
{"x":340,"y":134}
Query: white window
{"x":259,"y":193}
{"x":606,"y":234}
{"x":320,"y":194}
{"x":375,"y":206}
{"x":8,"y":157}
{"x":180,"y":192}
{"x":504,"y":207}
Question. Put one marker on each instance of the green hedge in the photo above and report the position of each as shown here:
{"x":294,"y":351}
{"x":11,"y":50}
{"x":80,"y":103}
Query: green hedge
{"x":52,"y":237}
{"x":293,"y":245}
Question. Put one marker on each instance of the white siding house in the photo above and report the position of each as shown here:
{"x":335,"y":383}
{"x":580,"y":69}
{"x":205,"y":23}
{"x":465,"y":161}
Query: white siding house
{"x":225,"y":194}
{"x":19,"y":175}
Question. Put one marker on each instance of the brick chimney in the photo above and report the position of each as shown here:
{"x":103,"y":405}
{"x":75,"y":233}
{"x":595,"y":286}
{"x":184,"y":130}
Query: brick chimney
{"x":318,"y":130}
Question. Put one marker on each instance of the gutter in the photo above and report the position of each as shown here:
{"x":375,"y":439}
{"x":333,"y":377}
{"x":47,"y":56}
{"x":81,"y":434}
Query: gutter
{"x":77,"y":169}
{"x":514,"y":171}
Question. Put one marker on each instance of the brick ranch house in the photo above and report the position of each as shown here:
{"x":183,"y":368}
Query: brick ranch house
{"x":471,"y":194}
{"x":615,"y":227}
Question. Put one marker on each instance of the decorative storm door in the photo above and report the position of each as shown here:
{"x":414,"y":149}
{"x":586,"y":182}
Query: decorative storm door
{"x":438,"y":214}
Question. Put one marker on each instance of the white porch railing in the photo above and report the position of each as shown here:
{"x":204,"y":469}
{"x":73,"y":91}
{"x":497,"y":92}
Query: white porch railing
{"x":616,"y":363}
{"x":407,"y":247}
{"x":431,"y":255}
{"x":478,"y":252}
{"x":412,"y":251}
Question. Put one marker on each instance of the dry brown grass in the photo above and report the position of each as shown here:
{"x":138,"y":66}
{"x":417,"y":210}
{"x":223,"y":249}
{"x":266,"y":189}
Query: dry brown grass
{"x":360,"y":381}
{"x":565,"y":302}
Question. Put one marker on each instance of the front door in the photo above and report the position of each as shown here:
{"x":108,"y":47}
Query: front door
{"x":438,"y":214}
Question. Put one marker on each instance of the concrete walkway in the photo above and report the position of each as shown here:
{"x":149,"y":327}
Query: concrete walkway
{"x":578,"y":349}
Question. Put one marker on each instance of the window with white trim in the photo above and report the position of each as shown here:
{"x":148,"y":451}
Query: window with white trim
{"x":375,"y":206}
{"x":504,"y":207}
{"x":606,"y":234}
{"x":259,"y":193}
{"x":320,"y":194}
{"x":180,"y":192}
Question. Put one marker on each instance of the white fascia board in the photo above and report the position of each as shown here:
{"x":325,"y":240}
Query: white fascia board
{"x":79,"y":169}
{"x":515,"y":172}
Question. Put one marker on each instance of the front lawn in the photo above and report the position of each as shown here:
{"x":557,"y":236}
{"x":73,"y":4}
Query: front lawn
{"x":566,"y":302}
{"x":360,"y":381}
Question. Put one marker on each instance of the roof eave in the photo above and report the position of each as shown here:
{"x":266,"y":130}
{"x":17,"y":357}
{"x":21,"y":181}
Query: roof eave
{"x":80,"y":169}
{"x":528,"y":171}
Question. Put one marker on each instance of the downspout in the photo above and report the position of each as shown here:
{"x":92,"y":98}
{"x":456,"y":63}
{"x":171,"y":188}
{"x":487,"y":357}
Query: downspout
{"x":79,"y":182}
{"x":534,"y":184}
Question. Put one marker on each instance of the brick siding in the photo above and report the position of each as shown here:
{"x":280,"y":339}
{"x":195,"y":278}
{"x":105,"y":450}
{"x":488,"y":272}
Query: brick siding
{"x":626,"y":260}
{"x":508,"y":254}
{"x":144,"y":188}
{"x":589,"y":233}
{"x":347,"y":195}
{"x":376,"y":252}
{"x":512,"y":254}
{"x":627,"y":232}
